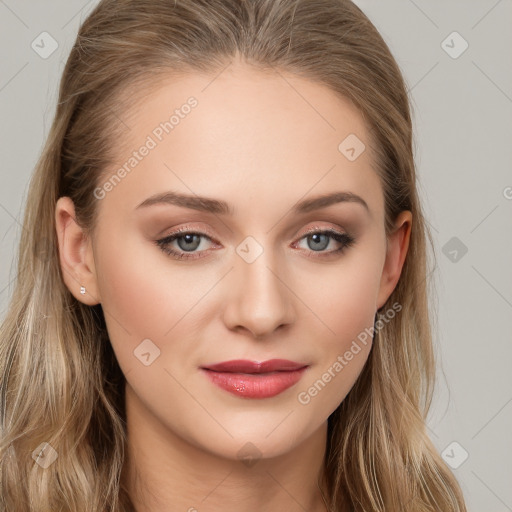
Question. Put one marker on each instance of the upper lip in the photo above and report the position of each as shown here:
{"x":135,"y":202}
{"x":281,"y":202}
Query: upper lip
{"x":246,"y":366}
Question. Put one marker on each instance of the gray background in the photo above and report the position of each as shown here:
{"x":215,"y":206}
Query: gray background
{"x":463,"y":120}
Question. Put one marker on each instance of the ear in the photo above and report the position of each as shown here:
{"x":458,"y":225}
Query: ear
{"x":75,"y":254}
{"x":397,"y":246}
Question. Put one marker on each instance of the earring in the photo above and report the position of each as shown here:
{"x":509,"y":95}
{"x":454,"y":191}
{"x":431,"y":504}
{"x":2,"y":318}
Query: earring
{"x":82,"y":290}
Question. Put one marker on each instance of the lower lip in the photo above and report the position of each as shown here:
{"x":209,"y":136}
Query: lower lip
{"x":255,"y":385}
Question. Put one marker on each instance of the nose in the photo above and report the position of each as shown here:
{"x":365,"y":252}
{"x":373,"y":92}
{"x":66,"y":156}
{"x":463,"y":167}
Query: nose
{"x":259,"y":300}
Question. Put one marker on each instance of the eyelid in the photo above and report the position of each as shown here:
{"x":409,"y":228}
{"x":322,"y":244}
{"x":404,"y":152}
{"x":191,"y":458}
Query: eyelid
{"x":190,"y":229}
{"x":207,"y":232}
{"x":316,"y":228}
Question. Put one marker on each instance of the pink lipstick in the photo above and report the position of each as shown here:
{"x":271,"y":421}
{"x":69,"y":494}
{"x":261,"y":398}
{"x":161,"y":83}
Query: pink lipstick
{"x":252,"y":379}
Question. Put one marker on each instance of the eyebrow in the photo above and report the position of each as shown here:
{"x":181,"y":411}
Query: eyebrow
{"x":216,"y":206}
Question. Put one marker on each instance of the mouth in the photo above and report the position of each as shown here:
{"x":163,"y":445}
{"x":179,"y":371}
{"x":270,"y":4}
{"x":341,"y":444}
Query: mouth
{"x":253,"y":379}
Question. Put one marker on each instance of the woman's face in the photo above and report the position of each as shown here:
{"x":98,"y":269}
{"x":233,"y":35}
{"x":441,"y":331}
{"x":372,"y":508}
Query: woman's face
{"x":242,"y":161}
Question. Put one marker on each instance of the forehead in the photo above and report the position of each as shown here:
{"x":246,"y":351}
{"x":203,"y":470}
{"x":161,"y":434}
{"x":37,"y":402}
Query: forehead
{"x":245,"y":132}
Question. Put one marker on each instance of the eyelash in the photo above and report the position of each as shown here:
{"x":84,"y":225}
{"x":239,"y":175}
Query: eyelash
{"x":345,"y":239}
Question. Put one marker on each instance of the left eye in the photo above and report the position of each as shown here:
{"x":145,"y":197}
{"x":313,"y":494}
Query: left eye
{"x":189,"y":241}
{"x":319,"y":240}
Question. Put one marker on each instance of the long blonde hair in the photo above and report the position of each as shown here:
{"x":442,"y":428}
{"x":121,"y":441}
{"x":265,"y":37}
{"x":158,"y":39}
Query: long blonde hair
{"x":61,"y":386}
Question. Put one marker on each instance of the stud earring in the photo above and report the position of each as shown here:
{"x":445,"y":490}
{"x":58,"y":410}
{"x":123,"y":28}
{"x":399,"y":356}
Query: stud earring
{"x":82,"y":290}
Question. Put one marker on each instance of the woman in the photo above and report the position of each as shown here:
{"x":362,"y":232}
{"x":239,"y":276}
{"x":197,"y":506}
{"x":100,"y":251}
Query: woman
{"x":221,"y":300}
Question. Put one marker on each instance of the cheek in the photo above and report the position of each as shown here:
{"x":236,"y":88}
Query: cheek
{"x":145,"y":296}
{"x":135,"y":300}
{"x":139,"y":288}
{"x":344,"y":297}
{"x":346,"y":305}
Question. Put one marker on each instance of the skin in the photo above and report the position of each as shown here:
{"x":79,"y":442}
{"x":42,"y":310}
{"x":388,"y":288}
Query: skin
{"x":260,"y":142}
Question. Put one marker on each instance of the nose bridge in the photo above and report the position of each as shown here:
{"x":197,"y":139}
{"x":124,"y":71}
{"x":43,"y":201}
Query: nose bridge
{"x":258,"y":299}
